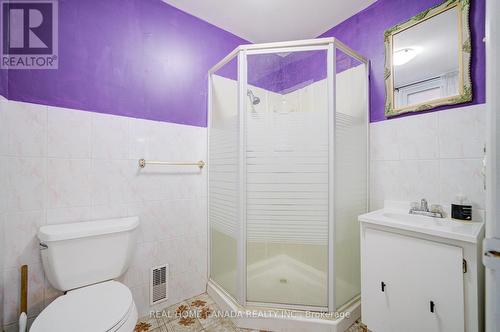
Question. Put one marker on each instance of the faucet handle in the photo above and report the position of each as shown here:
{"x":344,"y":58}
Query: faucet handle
{"x":414,"y":205}
{"x":424,"y":205}
{"x":436,"y":208}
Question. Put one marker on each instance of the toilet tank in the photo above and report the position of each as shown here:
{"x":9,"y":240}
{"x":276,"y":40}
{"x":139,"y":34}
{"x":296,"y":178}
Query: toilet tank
{"x":79,"y":254}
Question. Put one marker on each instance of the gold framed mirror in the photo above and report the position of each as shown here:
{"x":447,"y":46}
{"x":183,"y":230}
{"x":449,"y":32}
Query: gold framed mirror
{"x":427,"y":60}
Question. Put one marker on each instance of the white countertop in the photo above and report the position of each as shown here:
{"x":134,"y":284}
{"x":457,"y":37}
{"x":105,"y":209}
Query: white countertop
{"x":468,"y":231}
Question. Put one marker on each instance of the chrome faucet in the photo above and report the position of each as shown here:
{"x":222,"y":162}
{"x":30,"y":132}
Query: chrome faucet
{"x":436,"y":210}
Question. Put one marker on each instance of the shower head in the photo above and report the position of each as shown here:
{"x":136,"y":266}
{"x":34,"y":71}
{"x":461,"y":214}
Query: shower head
{"x":253,"y":99}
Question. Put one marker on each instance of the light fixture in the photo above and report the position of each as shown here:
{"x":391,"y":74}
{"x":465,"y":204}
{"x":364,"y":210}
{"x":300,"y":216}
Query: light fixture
{"x":403,"y":56}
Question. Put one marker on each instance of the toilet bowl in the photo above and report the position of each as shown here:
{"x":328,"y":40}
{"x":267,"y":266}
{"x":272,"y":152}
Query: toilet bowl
{"x":82,"y":259}
{"x":106,"y":307}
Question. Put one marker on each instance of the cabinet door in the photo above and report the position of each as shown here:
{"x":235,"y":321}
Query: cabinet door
{"x":379,"y":274}
{"x":438,"y":276}
{"x":424,"y":287}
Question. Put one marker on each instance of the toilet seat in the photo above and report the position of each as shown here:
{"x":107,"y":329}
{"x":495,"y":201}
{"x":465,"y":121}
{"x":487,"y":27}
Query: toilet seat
{"x":103,"y":307}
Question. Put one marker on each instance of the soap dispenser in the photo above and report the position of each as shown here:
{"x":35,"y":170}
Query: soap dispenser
{"x":461,"y":209}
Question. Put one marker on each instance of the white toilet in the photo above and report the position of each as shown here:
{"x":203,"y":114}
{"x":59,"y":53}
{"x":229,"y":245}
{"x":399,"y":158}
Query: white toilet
{"x":82,"y":259}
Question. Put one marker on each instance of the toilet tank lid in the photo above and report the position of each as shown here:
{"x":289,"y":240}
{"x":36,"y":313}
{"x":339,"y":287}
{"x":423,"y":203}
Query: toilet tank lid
{"x":86,"y":229}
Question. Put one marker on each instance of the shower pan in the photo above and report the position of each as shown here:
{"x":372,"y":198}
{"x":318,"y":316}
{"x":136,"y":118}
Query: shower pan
{"x":287,"y":169}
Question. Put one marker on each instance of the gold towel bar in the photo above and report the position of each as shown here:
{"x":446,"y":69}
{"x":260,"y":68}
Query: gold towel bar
{"x":143,"y":163}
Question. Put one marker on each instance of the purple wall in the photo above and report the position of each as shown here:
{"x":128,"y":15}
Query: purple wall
{"x":4,"y":83}
{"x":137,"y":58}
{"x":285,"y":74}
{"x":364,"y":32}
{"x":146,"y":59}
{"x":293,"y":71}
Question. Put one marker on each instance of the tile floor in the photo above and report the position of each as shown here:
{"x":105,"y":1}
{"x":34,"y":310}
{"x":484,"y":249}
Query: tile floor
{"x":194,"y":315}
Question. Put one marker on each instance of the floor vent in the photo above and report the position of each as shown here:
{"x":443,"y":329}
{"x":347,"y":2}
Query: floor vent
{"x":158,"y":284}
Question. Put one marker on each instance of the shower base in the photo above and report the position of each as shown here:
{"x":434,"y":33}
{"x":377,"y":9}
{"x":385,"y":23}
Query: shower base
{"x":264,"y":318}
{"x":283,"y":279}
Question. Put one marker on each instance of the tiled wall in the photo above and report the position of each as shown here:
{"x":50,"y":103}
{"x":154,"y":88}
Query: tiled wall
{"x":434,"y":156}
{"x":60,"y":165}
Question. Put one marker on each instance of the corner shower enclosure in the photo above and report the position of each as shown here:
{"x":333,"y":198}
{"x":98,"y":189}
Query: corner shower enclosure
{"x":287,"y":168}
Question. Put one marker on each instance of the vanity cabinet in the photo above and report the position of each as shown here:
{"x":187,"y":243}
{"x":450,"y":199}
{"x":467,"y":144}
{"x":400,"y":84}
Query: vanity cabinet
{"x":414,"y":280}
{"x":411,"y":283}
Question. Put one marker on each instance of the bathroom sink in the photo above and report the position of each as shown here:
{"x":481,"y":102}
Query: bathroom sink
{"x":443,"y":227}
{"x":404,"y":216}
{"x":408,"y":217}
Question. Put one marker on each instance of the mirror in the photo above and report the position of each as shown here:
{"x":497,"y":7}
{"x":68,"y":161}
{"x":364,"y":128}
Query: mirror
{"x":427,"y":60}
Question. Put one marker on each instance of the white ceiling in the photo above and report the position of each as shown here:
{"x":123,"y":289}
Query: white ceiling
{"x":261,"y":21}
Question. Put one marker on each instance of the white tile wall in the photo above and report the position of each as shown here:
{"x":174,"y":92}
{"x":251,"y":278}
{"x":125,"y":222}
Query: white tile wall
{"x":59,"y":143}
{"x":29,"y":135}
{"x":60,"y":165}
{"x":435,"y":156}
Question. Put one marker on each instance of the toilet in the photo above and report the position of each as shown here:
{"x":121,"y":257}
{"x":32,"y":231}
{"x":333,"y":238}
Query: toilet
{"x":83,"y":259}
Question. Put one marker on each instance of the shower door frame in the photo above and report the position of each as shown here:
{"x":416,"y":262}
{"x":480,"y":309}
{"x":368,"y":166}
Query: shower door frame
{"x":330,"y":45}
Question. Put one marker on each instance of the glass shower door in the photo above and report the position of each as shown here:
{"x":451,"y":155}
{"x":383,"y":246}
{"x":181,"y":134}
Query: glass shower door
{"x":287,"y":178}
{"x":224,"y":172}
{"x":351,"y":176}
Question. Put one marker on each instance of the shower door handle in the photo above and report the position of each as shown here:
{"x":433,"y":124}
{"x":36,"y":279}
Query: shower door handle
{"x":382,"y":286}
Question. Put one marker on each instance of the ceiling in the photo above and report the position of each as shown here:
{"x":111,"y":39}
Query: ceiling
{"x":261,"y":21}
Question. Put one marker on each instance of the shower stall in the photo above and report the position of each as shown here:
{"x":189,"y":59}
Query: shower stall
{"x":287,"y":169}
